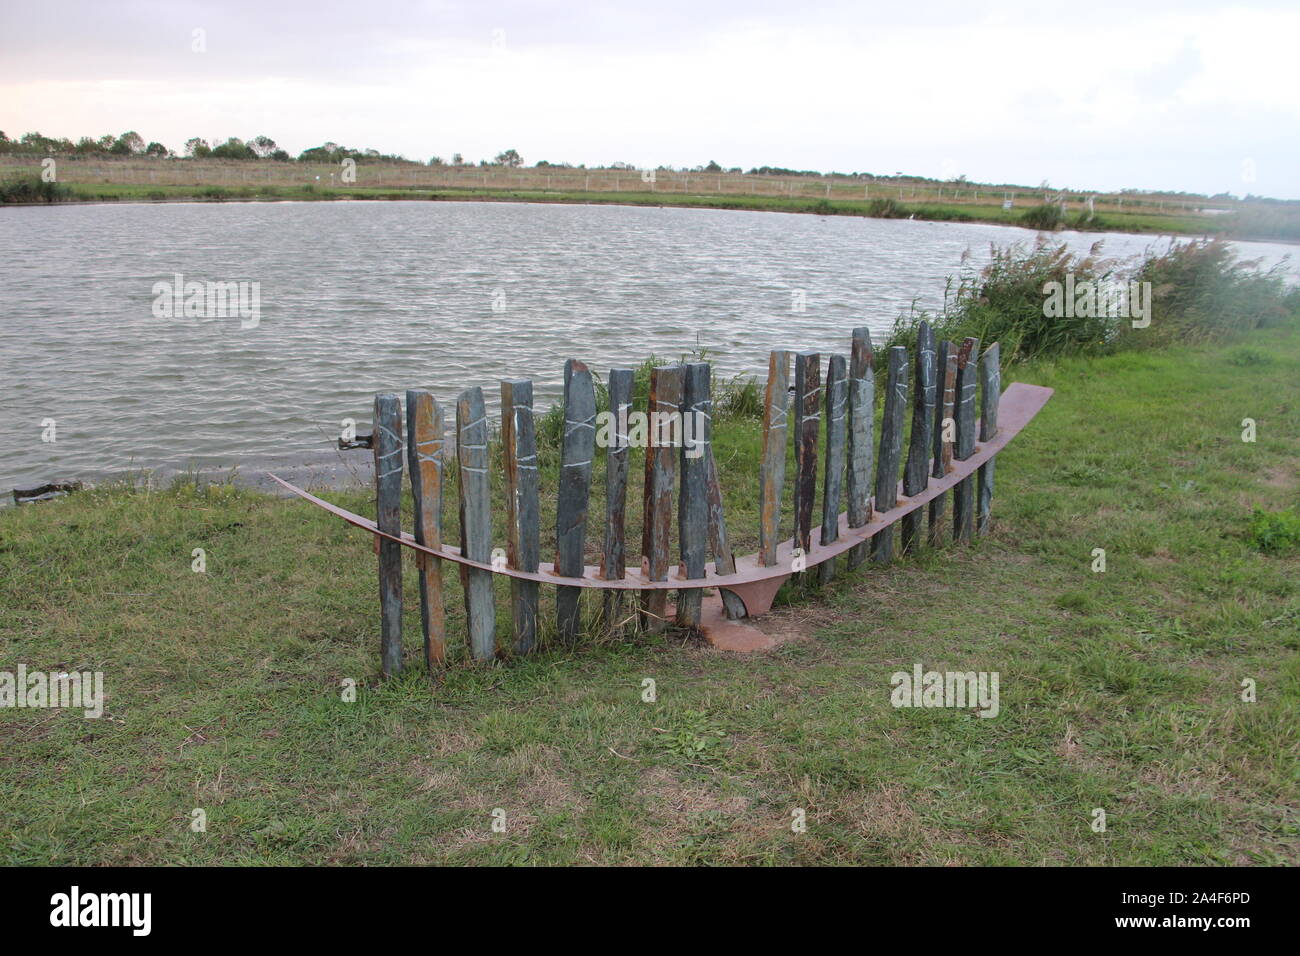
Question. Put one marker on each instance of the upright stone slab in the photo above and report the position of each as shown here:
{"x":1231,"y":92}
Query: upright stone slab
{"x":424,"y":448}
{"x":660,"y":467}
{"x":945,"y":431}
{"x":990,"y":395}
{"x":837,"y":390}
{"x":771,"y":475}
{"x":693,"y":507}
{"x":963,"y":495}
{"x":475,"y":522}
{"x":807,"y":389}
{"x":613,"y":564}
{"x":576,"y":452}
{"x":891,"y":450}
{"x":388,"y":518}
{"x":860,"y":438}
{"x":724,"y":560}
{"x":916,"y":473}
{"x":523,"y":535}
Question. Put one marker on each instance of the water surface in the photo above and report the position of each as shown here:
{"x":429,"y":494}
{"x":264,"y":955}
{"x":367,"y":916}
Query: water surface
{"x":365,"y":297}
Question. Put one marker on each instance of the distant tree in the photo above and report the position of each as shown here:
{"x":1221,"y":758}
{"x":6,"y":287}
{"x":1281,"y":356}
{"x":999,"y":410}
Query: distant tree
{"x":156,"y":149}
{"x":327,"y":153}
{"x":36,"y":143}
{"x":262,"y":146}
{"x":233,"y":148}
{"x":280,"y":156}
{"x":128,"y":144}
{"x":509,"y":158}
{"x":712,"y":167}
{"x":436,"y":161}
{"x":198,"y":148}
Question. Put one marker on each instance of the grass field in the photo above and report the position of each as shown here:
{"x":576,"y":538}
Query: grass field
{"x":103,"y":179}
{"x":1119,"y":690}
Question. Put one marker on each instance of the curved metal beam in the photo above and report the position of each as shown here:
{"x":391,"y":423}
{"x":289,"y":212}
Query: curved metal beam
{"x":1018,"y":405}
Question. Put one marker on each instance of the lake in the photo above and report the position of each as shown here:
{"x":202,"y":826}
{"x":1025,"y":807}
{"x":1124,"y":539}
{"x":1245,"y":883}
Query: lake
{"x":363,"y":297}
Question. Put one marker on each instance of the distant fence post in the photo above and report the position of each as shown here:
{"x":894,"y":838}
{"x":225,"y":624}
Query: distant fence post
{"x":388,"y":518}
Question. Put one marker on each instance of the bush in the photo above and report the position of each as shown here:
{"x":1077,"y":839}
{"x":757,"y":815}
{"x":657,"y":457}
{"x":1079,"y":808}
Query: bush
{"x":33,"y":189}
{"x":1004,"y":302}
{"x":1276,"y":533}
{"x":887,"y":209}
{"x":1200,"y":291}
{"x":1046,"y":218}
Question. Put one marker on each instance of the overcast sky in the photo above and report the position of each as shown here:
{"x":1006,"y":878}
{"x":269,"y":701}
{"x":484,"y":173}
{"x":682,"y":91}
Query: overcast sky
{"x":1186,"y":95}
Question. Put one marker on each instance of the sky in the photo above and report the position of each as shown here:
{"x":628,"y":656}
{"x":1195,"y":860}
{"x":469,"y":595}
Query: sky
{"x":1185,"y":96}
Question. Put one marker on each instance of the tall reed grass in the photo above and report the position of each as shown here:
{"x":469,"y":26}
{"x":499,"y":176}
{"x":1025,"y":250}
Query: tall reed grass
{"x":1200,"y":291}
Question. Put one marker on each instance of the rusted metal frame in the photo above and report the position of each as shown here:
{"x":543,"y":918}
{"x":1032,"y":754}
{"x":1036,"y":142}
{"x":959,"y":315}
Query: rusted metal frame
{"x":1019,"y":404}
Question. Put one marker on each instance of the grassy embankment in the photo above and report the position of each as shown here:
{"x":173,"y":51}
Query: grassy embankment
{"x":1119,"y":690}
{"x":1111,"y":220}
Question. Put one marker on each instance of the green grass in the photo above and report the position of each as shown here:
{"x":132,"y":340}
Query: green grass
{"x":32,"y":189}
{"x":1119,"y":690}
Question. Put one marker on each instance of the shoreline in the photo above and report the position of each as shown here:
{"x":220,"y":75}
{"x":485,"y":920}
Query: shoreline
{"x":1148,"y":224}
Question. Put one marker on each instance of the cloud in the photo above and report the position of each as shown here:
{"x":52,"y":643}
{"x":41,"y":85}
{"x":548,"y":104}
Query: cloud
{"x":1173,"y":96}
